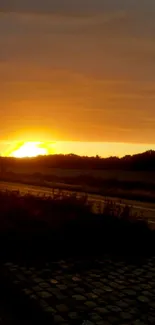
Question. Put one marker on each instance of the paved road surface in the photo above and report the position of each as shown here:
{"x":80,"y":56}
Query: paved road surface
{"x":103,"y":291}
{"x":144,"y":208}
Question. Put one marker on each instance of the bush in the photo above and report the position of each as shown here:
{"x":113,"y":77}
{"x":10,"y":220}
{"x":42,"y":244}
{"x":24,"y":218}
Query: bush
{"x":65,"y":225}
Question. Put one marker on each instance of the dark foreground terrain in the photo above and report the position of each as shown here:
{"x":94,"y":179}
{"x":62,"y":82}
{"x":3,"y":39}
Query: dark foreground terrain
{"x":103,"y":291}
{"x":61,"y":264}
{"x":130,"y":177}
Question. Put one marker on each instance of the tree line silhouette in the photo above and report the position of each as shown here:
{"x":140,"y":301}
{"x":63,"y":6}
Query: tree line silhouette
{"x":140,"y":162}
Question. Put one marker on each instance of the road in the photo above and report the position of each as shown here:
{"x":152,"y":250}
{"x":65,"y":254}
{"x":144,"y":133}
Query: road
{"x":144,"y":208}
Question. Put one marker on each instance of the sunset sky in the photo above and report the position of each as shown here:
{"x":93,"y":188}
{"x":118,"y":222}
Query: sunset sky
{"x":78,"y":70}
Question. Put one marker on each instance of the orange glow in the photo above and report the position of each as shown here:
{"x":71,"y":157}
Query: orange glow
{"x":103,"y":149}
{"x":83,"y":77}
{"x":29,"y":149}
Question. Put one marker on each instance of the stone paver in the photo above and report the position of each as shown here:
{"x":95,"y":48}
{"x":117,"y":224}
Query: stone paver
{"x":103,"y":292}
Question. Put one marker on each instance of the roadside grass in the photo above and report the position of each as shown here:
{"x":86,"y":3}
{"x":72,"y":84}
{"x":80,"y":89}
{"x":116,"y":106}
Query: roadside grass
{"x":130,"y":189}
{"x":65,"y":226}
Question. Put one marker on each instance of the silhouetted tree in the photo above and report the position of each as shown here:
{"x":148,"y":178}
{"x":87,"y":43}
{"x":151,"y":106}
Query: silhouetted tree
{"x":144,"y":162}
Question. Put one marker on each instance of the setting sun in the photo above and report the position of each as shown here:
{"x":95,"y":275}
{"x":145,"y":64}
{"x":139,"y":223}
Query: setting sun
{"x":29,"y":149}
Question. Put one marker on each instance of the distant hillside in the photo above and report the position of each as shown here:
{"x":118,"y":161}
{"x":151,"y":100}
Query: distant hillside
{"x":140,"y":162}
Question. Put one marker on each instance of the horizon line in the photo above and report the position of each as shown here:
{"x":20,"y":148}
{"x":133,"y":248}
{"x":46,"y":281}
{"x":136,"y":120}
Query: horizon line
{"x":73,"y":154}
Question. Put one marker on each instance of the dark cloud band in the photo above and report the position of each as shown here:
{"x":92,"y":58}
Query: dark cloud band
{"x":48,"y":6}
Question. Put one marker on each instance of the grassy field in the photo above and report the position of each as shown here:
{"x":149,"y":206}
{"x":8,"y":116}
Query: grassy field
{"x":131,"y":185}
{"x":120,"y":175}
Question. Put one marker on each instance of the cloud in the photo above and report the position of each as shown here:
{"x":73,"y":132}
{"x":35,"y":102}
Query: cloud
{"x":60,"y":98}
{"x":48,"y":6}
{"x":111,"y":44}
{"x":55,"y":23}
{"x":97,"y":68}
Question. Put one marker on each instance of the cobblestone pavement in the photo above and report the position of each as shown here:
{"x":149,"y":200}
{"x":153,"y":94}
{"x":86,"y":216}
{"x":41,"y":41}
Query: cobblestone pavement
{"x":103,"y":293}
